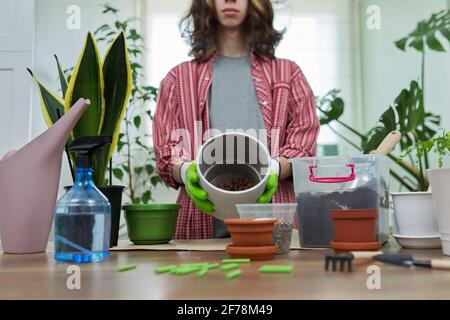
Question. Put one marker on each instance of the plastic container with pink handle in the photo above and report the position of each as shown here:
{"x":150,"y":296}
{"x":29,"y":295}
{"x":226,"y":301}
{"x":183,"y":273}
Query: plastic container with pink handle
{"x":322,"y":184}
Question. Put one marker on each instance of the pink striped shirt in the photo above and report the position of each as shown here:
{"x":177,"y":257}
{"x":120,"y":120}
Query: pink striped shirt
{"x":289,"y":113}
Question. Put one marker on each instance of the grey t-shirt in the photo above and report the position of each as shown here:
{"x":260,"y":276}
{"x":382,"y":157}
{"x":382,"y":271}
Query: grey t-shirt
{"x":234,"y":105}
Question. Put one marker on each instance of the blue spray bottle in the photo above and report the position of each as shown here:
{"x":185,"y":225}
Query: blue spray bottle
{"x":83,"y":214}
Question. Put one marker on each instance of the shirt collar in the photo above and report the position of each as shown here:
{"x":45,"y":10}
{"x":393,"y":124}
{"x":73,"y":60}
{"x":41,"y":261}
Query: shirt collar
{"x":253,"y":56}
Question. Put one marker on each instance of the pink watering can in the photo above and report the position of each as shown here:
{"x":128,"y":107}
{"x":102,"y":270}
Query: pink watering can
{"x":29,"y":180}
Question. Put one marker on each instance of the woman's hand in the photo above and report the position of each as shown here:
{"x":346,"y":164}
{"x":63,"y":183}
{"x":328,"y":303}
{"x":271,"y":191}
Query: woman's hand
{"x":271,"y":188}
{"x":272,"y":182}
{"x":199,"y":197}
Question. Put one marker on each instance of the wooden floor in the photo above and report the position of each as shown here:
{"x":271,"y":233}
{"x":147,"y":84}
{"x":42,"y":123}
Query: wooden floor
{"x":37,"y":276}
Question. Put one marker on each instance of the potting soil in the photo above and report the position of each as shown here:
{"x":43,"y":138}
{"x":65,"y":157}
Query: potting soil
{"x":315,"y":223}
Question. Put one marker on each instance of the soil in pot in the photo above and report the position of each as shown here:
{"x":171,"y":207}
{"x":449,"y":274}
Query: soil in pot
{"x":237,"y":184}
{"x":152,"y":223}
{"x":252,"y":253}
{"x":314,"y":207}
{"x":354,"y":225}
{"x":251,"y":232}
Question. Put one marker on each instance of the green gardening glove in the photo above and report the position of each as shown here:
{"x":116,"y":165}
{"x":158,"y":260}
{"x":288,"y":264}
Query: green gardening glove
{"x":199,"y":197}
{"x":271,"y":188}
{"x":272,"y":183}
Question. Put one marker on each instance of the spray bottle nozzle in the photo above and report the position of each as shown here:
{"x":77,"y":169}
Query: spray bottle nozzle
{"x":86,"y":146}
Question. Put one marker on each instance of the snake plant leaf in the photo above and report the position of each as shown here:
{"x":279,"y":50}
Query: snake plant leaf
{"x":62,"y":77}
{"x":87,"y":82}
{"x":118,"y":84}
{"x":117,"y":88}
{"x":50,"y":102}
{"x":431,"y":33}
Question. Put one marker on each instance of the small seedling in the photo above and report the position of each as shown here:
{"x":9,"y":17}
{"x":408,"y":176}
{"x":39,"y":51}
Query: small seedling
{"x":229,"y":266}
{"x":233,"y":274}
{"x":202,"y":273}
{"x":126,"y":267}
{"x":164,"y":269}
{"x":200,"y":264}
{"x":276,"y":269}
{"x":236,"y":260}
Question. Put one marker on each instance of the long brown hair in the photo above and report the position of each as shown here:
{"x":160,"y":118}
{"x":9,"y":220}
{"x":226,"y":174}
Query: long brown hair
{"x":198,"y":28}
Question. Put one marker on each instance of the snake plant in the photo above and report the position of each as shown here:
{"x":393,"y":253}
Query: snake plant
{"x":106,"y":83}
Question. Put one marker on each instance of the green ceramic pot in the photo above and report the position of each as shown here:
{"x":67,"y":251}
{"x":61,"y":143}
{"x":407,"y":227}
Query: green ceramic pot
{"x":151,"y":223}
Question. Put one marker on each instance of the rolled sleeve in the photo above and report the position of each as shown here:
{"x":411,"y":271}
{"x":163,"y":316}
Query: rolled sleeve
{"x":303,"y":127}
{"x":167,"y":133}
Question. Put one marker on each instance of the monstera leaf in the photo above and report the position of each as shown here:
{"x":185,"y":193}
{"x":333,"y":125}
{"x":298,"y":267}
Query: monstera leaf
{"x":428,"y":32}
{"x":408,"y":116}
{"x":330,"y":106}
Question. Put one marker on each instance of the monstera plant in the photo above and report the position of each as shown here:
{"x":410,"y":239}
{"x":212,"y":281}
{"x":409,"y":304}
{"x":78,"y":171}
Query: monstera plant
{"x":106,"y":83}
{"x":409,"y":114}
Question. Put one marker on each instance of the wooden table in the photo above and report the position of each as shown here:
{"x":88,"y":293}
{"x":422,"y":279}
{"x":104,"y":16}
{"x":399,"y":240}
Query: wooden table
{"x":36,"y":276}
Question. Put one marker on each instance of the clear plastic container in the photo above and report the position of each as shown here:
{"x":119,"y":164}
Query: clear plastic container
{"x":283,"y":212}
{"x":345,"y":182}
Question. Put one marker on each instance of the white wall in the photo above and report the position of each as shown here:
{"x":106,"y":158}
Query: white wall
{"x":387,"y":70}
{"x":53,"y":37}
{"x":319,"y":38}
{"x":384,"y":69}
{"x":16,"y":45}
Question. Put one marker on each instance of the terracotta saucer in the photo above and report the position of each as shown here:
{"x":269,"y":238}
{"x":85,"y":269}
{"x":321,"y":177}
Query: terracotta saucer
{"x":356,"y":246}
{"x":253,"y":253}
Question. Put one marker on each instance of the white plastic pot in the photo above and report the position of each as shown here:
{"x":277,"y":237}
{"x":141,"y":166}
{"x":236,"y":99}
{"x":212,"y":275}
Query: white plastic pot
{"x":414,"y":214}
{"x":228,"y":155}
{"x":440,"y":184}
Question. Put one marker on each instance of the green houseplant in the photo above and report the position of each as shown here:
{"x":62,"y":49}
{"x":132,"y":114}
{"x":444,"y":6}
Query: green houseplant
{"x":439,"y":145}
{"x":107,"y":84}
{"x":417,"y":126}
{"x":134,"y":163}
{"x":408,"y":115}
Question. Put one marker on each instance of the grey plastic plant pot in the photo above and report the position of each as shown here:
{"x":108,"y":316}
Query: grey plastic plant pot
{"x":230,"y":155}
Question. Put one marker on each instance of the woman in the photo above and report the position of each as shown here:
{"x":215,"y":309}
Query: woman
{"x":234,"y":82}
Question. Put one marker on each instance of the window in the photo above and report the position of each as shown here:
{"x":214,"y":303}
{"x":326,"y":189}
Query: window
{"x":318,"y":38}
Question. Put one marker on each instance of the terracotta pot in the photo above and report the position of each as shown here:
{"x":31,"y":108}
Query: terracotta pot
{"x":355,"y":225}
{"x":252,"y":253}
{"x":251,"y":232}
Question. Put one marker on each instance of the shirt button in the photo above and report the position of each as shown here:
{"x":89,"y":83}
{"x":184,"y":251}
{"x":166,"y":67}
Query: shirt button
{"x":206,"y":78}
{"x":265,"y":102}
